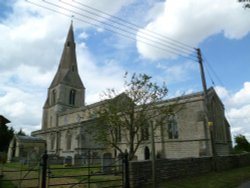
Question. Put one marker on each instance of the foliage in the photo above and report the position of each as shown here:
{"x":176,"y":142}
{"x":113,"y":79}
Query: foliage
{"x":242,"y":144}
{"x":21,"y":132}
{"x":125,"y":119}
{"x":6,"y":135}
{"x":246,"y":3}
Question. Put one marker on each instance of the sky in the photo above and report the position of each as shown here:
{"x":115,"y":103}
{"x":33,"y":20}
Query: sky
{"x":32,"y":40}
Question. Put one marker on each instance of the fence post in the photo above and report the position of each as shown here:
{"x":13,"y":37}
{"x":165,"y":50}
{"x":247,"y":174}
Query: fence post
{"x":44,"y":169}
{"x":125,"y":170}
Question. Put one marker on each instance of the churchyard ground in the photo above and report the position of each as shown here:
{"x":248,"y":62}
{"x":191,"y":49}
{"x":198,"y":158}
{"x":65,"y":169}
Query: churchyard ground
{"x":59,"y":175}
{"x":225,"y":179}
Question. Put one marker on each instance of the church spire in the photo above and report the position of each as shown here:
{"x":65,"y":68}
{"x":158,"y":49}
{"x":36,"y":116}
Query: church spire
{"x":66,"y":90}
{"x":68,"y":63}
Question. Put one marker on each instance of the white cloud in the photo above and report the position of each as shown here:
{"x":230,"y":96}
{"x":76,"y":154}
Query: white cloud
{"x":237,"y":106}
{"x":222,"y":92}
{"x":83,"y":35}
{"x":98,"y":78}
{"x":193,"y":21}
{"x":31,"y":44}
{"x":178,"y":72}
{"x":242,"y":96}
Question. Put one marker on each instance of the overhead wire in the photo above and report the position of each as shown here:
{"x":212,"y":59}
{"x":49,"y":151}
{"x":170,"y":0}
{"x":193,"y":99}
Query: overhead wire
{"x":130,"y":27}
{"x":155,"y":34}
{"x":114,"y":29}
{"x":134,"y":31}
{"x":163,"y":46}
{"x":209,"y":66}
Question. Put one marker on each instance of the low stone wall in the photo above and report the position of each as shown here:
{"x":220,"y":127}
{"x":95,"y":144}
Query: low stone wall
{"x":140,"y":172}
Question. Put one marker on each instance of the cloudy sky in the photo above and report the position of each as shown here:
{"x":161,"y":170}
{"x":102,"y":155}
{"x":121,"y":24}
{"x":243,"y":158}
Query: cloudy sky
{"x":32,"y":39}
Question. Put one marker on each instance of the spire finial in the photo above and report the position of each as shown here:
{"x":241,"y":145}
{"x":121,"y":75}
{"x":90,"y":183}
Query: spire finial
{"x":72,"y":18}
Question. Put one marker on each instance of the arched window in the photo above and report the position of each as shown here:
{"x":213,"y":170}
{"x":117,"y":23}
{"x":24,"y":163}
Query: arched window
{"x":172,"y":127}
{"x":145,"y":132}
{"x":118,"y":134}
{"x":53,"y":99}
{"x":52,"y":141}
{"x":72,"y":97}
{"x":68,"y":141}
{"x":146,"y":153}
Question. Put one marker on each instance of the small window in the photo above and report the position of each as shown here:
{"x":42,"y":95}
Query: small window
{"x":52,"y":142}
{"x":118,"y":134}
{"x":144,"y":133}
{"x":68,"y":141}
{"x":146,"y":153}
{"x":53,"y":97}
{"x":172,"y":127}
{"x":72,"y":96}
{"x":68,"y":44}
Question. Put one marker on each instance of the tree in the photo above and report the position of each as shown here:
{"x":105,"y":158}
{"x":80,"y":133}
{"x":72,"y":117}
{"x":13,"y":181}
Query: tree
{"x":21,"y":132}
{"x":246,"y":3}
{"x":242,"y":143}
{"x":124,"y":119}
{"x":6,"y":134}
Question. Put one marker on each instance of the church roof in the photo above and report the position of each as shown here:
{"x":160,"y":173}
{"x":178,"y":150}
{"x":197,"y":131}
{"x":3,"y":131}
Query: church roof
{"x":67,"y":72}
{"x":3,"y":120}
{"x":31,"y":139}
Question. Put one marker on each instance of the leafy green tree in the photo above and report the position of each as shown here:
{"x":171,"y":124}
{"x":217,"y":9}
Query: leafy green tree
{"x":242,"y":144}
{"x":125,"y":119}
{"x":246,"y":3}
{"x":6,"y":134}
{"x":21,"y":132}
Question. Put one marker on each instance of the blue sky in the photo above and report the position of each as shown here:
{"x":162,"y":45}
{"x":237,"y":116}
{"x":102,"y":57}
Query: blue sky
{"x":32,"y":39}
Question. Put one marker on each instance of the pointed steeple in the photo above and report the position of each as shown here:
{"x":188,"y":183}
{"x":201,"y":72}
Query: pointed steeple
{"x":67,"y":72}
{"x":66,"y":90}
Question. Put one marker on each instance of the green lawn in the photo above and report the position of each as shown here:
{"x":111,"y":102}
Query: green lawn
{"x":6,"y":185}
{"x":60,"y":174}
{"x":226,"y":179}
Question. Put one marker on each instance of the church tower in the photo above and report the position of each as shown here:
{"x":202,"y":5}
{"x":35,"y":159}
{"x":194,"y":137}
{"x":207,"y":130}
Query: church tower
{"x":66,"y":90}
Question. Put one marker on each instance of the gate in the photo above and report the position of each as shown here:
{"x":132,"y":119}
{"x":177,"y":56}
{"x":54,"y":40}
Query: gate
{"x":24,"y":174}
{"x":87,"y":172}
{"x":105,"y":172}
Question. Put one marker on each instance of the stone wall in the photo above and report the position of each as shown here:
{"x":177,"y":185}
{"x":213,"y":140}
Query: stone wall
{"x":140,"y":172}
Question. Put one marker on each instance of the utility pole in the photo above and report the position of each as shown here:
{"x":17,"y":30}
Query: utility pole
{"x":153,"y":155}
{"x":208,"y":118}
{"x":203,"y":79}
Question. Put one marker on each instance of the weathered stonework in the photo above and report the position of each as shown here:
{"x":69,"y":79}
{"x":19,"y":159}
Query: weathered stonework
{"x":141,"y":171}
{"x":66,"y":119}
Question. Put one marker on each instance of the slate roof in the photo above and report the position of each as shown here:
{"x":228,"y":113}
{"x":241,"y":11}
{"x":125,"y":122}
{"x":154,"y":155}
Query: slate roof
{"x":31,"y":139}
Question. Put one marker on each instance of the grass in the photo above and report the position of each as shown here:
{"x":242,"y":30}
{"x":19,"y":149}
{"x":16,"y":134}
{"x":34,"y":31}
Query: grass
{"x":81,"y":174}
{"x":6,"y":184}
{"x":59,"y":175}
{"x":225,"y":179}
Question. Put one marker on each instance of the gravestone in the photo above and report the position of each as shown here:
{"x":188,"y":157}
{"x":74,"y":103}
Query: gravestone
{"x":107,"y":163}
{"x":67,"y":161}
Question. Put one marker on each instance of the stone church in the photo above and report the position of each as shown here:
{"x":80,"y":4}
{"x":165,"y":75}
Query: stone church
{"x":66,"y":118}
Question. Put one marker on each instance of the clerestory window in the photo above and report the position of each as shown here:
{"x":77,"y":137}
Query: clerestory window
{"x":68,"y":141}
{"x":118,"y":134}
{"x":145,"y":133}
{"x":172,"y":127}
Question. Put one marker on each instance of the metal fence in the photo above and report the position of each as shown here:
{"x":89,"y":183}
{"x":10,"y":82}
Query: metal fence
{"x":50,"y":171}
{"x":22,"y":174}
